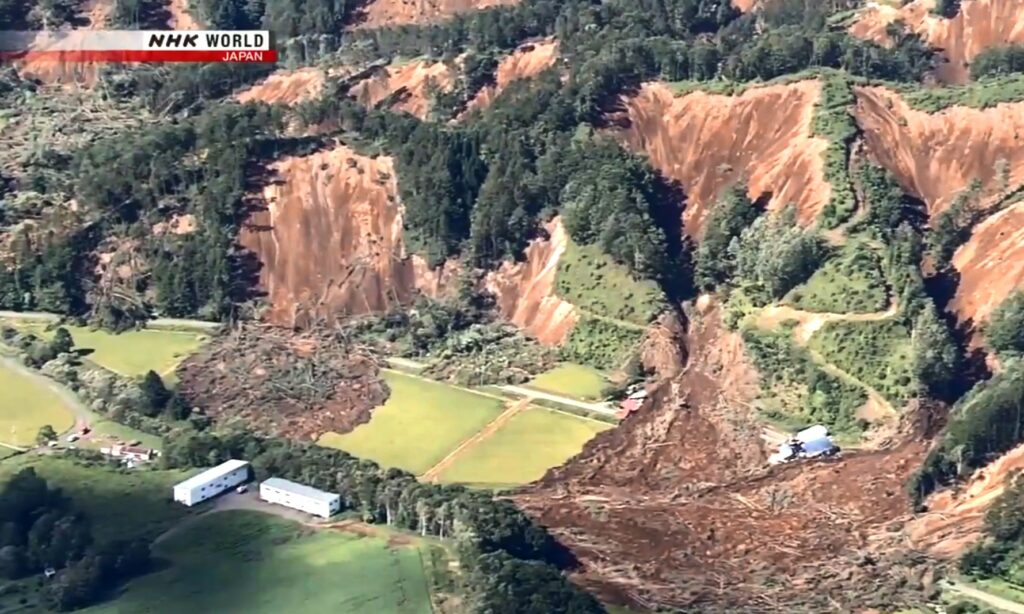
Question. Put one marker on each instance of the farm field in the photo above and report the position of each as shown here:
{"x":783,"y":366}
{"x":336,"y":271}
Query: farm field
{"x":28,"y":405}
{"x":530,"y":443}
{"x":133,"y":352}
{"x":244,"y":561}
{"x":120,"y":504}
{"x":419,"y":425}
{"x":572,"y":380}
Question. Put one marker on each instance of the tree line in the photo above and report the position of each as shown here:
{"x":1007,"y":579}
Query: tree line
{"x":511,"y":564}
{"x":40,"y":530}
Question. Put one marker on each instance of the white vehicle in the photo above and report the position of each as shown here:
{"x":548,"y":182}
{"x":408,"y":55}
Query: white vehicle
{"x":73,"y":437}
{"x":809,"y":443}
{"x":244,"y":488}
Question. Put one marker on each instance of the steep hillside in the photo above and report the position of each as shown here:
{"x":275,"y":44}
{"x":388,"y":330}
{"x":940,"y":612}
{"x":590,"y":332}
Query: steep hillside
{"x":286,"y":87}
{"x":990,"y":265}
{"x":405,"y":87}
{"x":526,"y":290}
{"x":181,"y":19}
{"x":708,"y":141}
{"x":95,"y":14}
{"x":523,"y":63}
{"x":937,"y":155}
{"x":382,"y":13}
{"x":978,"y":25}
{"x":330,"y":239}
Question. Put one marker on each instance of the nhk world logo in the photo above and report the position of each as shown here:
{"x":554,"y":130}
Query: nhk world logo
{"x":138,"y":46}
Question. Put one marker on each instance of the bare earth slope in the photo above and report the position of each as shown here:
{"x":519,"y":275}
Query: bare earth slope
{"x":935,"y":156}
{"x":527,"y":61}
{"x":380,"y":13}
{"x":526,"y":290}
{"x":286,"y":87}
{"x":990,"y":264}
{"x":330,"y":239}
{"x":95,"y":13}
{"x":708,"y":141}
{"x":406,"y":86}
{"x":979,"y":25}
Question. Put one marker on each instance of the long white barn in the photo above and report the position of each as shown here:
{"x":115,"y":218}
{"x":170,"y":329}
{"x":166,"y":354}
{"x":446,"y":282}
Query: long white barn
{"x":212,"y":482}
{"x":300,"y":497}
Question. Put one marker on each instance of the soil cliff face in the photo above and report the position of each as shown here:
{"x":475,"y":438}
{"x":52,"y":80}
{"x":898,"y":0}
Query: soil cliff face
{"x":95,"y":14}
{"x":527,"y":61}
{"x":526,"y":290}
{"x":406,"y":87}
{"x":286,"y":87}
{"x":708,"y":141}
{"x":936,"y":155}
{"x":978,"y":25}
{"x":990,"y":264}
{"x":330,"y":239}
{"x":380,"y":13}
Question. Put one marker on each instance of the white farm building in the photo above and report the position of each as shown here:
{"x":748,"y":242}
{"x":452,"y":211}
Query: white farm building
{"x":300,"y":497}
{"x":212,"y":482}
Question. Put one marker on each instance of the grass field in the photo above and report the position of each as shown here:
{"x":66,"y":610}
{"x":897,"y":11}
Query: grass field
{"x":419,"y":425}
{"x":851,"y":282}
{"x":572,"y":380}
{"x":250,"y":562}
{"x":877,"y":353}
{"x":120,"y":504}
{"x":133,"y":352}
{"x":28,"y":405}
{"x":592,"y":281}
{"x":530,"y":443}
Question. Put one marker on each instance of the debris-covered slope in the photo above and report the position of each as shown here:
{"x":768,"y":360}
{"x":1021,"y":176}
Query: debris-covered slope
{"x":709,"y":141}
{"x":405,"y":87}
{"x":977,"y":26}
{"x":935,"y":156}
{"x":330,"y":239}
{"x":676,"y":508}
{"x":525,"y":62}
{"x":286,"y":87}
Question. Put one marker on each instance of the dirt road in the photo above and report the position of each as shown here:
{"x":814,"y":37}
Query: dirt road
{"x":489,"y":429}
{"x":42,"y":316}
{"x":997,"y":602}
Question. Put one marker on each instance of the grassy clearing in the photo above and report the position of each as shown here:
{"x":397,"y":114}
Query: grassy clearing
{"x":121,"y":504}
{"x":572,"y":380}
{"x":133,"y":352}
{"x":250,"y":562}
{"x":980,"y":94}
{"x":600,"y":343}
{"x":419,"y":425}
{"x":877,"y":353}
{"x":592,"y":281}
{"x":529,"y":444}
{"x":28,"y":405}
{"x":851,"y":282}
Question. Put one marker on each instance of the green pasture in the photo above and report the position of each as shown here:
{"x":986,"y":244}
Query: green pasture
{"x":421,"y":423}
{"x":529,"y":444}
{"x":244,"y":561}
{"x":572,"y":380}
{"x":25,"y":406}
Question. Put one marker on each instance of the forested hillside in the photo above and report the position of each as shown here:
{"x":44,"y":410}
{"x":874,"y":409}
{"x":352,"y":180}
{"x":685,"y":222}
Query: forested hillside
{"x":798,"y":184}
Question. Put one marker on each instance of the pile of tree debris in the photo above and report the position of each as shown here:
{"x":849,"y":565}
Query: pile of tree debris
{"x":279,"y":382}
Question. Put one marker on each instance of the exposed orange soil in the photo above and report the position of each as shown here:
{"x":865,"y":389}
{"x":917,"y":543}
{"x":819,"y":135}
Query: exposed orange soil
{"x":979,"y":25}
{"x":287,"y":87}
{"x":330,"y":239}
{"x":708,"y":141}
{"x":181,"y":19}
{"x":955,"y":518}
{"x":935,"y":156}
{"x":406,"y":85}
{"x":380,"y":13}
{"x":526,"y":290}
{"x":85,"y":74}
{"x":744,"y":6}
{"x":676,"y":507}
{"x":991,"y":265}
{"x":527,"y":61}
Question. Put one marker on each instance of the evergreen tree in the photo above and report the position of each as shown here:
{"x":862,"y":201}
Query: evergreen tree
{"x":1005,"y":330}
{"x":935,"y":353}
{"x":733,"y":212}
{"x":62,"y":342}
{"x":154,"y":392}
